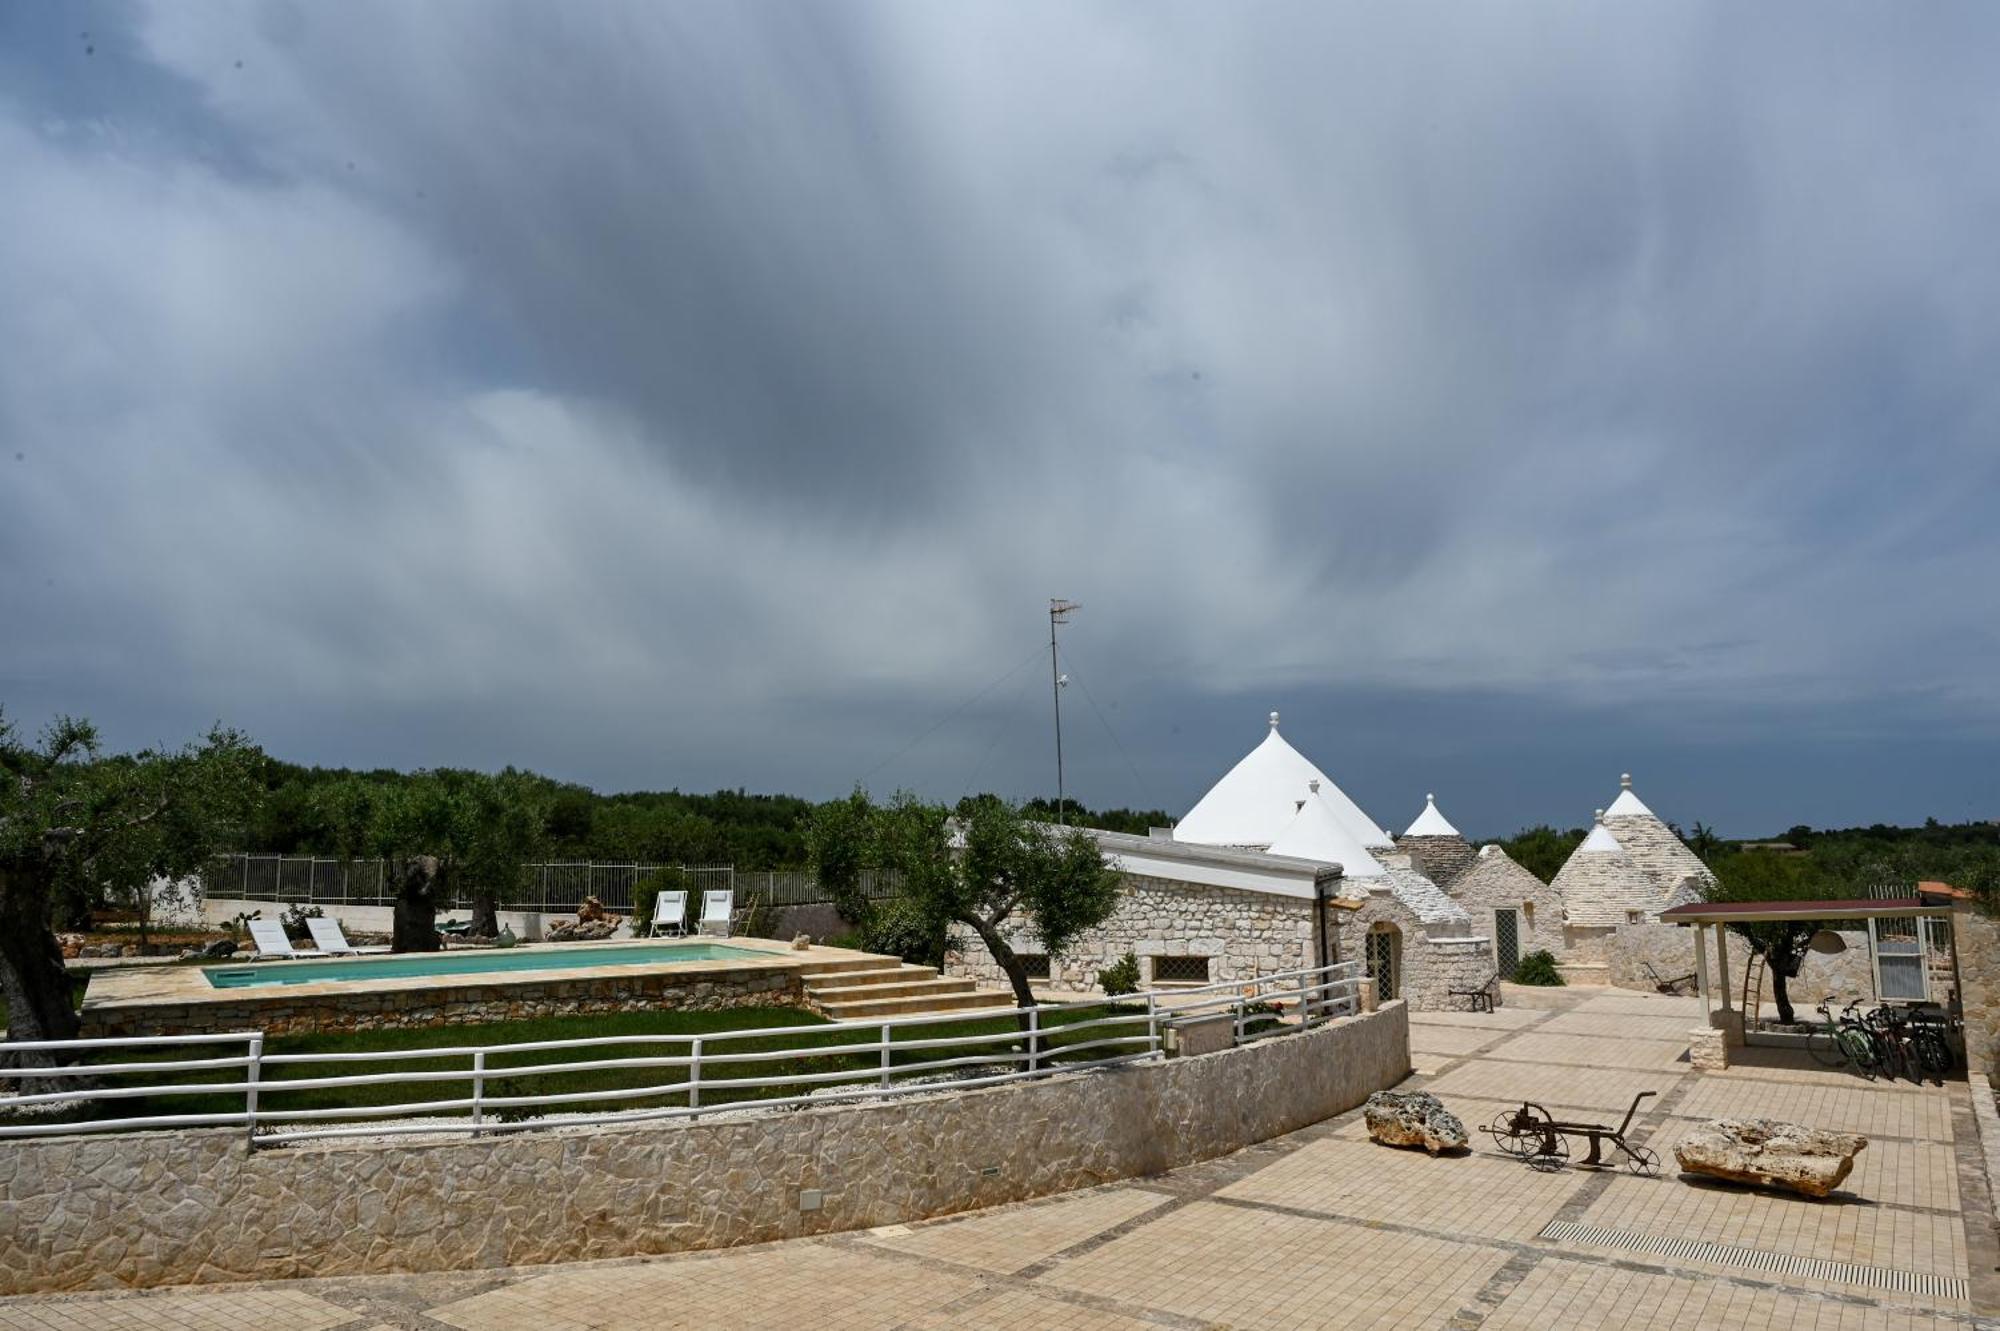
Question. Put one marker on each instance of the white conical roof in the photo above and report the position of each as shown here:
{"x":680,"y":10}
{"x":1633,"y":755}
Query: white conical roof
{"x":1627,"y":804}
{"x":1316,"y":832}
{"x":1600,"y":841}
{"x":1430,"y":822}
{"x":1261,"y":795}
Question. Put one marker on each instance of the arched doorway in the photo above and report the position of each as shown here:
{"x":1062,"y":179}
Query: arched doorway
{"x":1384,"y":958}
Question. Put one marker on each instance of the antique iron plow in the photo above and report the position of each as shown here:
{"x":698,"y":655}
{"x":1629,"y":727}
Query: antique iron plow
{"x":1533,"y":1134}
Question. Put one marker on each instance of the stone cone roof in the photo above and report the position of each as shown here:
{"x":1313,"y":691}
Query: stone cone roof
{"x":1653,"y":845}
{"x":1493,"y":871}
{"x":1316,"y":832}
{"x":1260,"y":796}
{"x":1430,"y":822}
{"x":1601,"y":884}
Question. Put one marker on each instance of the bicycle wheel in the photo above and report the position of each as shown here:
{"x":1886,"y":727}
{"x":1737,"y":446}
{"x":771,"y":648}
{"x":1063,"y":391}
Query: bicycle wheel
{"x":1824,"y":1045}
{"x":1862,"y":1049}
{"x":1933,"y":1054}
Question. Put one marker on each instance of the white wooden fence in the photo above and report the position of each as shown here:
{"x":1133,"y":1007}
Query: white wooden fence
{"x":834,"y":1061}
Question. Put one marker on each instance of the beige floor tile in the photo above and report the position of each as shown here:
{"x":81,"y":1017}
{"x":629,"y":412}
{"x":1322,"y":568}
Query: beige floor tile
{"x":1015,"y":1237}
{"x":250,"y":1309}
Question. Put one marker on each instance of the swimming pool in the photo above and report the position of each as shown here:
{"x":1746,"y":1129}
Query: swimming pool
{"x":496,"y":961}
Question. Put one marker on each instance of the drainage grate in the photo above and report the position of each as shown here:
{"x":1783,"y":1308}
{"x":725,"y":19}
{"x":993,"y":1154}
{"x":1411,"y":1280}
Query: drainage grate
{"x":1777,"y":1263}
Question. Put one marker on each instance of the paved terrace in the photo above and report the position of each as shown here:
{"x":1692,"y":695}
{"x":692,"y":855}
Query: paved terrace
{"x":1318,"y":1229}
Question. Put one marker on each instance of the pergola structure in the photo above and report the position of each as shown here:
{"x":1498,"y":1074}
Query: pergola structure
{"x":1931,"y":901}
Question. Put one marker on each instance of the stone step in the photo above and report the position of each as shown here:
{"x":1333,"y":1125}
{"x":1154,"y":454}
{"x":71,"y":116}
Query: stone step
{"x":847,"y":993}
{"x":874,"y":975}
{"x":859,"y":961}
{"x":912,"y":1005}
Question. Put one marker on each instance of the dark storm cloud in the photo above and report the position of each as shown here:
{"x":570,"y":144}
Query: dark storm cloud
{"x":709,"y":393}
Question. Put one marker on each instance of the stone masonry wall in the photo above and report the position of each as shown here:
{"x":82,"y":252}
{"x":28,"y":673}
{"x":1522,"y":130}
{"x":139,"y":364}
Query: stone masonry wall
{"x":1429,"y":966}
{"x":1244,"y":934}
{"x":197,"y":1207}
{"x":1670,"y":949}
{"x":278,"y":1012}
{"x":1978,"y":943}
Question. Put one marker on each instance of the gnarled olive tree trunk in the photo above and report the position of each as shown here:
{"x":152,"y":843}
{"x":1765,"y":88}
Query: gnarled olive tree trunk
{"x":32,"y":974}
{"x":417,"y":885}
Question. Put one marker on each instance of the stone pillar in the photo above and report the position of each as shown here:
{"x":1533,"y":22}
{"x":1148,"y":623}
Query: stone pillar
{"x":1976,"y":940}
{"x":1369,"y":998}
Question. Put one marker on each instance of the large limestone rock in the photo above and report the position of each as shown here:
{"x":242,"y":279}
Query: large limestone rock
{"x":1771,"y":1153}
{"x":1413,"y":1118}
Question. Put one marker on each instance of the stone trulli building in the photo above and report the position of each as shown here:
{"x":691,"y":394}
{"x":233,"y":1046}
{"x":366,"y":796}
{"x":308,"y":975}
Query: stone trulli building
{"x":1272,"y":864}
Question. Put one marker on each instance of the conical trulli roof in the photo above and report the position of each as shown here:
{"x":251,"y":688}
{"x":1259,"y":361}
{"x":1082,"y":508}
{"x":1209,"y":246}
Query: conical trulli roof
{"x":1601,"y":884}
{"x":1652,"y":845}
{"x":1260,"y":796}
{"x":1317,"y":833}
{"x":1495,"y":875}
{"x":1430,"y":822}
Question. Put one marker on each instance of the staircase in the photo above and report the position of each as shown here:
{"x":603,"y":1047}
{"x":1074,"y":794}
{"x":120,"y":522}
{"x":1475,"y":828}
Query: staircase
{"x":871,"y":986}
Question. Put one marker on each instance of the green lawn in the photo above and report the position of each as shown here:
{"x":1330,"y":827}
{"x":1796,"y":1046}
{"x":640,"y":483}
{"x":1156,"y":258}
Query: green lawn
{"x":722,"y":1060}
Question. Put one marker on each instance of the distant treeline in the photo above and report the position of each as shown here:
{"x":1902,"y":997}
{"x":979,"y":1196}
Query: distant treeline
{"x":768,"y":832}
{"x":1852,"y":860}
{"x":646,"y":826}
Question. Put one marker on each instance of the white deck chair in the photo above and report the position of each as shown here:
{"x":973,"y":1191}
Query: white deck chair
{"x":716,"y":909}
{"x":268,"y":936}
{"x":670,"y":915}
{"x":333,"y":942}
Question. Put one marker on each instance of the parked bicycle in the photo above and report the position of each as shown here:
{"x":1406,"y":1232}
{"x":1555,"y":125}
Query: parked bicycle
{"x":1888,"y":1040}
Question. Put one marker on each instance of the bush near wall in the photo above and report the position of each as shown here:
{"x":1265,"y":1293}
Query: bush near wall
{"x":1537,"y":968}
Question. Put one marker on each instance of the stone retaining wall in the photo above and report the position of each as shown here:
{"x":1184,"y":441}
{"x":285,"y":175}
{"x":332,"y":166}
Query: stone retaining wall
{"x":193,"y":1207}
{"x":281,"y":1010}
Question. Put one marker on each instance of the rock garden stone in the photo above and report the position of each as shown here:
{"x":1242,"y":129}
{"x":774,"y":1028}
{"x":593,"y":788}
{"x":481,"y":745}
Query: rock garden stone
{"x":1770,"y":1153}
{"x":1413,"y":1118}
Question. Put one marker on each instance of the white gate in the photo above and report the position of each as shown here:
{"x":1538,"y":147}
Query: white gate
{"x":1902,"y":970}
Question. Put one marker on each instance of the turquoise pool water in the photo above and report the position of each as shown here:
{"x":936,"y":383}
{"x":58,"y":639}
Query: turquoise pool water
{"x":482,"y":962}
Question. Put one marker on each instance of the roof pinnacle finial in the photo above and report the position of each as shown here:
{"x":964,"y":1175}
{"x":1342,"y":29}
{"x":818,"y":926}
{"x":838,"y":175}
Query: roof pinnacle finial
{"x":1430,"y":798}
{"x":1274,"y":720}
{"x":1313,"y":785}
{"x":1600,"y":815}
{"x":1625,"y":780}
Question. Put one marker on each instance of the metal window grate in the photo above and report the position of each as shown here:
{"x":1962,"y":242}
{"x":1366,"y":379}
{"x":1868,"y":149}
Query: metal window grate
{"x":1507,"y":939}
{"x":1180,"y":970}
{"x":1722,"y":1254}
{"x":1035,"y":964}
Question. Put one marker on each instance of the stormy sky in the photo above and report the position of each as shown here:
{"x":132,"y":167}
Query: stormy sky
{"x":708,"y":395}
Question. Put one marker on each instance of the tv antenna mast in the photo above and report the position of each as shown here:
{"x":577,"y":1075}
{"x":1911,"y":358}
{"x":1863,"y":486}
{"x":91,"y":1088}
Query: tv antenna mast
{"x":1059,"y":613}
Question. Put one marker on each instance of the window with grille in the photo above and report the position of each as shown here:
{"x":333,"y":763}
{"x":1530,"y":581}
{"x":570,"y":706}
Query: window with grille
{"x":1381,"y":962}
{"x":1034,"y":964}
{"x":1180,"y":970}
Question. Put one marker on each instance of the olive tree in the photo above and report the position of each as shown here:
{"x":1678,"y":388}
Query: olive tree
{"x":73,"y":820}
{"x":985,"y":865}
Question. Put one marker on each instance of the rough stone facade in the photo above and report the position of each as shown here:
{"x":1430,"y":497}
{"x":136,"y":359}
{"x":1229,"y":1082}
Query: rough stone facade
{"x":1604,"y":888}
{"x":1977,"y":936}
{"x":1438,"y":858}
{"x":1243,"y":934}
{"x":275,"y":1011}
{"x":198,"y":1207}
{"x":1428,"y":965}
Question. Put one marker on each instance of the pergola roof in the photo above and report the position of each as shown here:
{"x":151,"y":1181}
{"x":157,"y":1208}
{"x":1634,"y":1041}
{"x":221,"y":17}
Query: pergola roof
{"x":1751,"y":912}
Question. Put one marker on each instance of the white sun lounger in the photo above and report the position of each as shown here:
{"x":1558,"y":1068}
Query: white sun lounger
{"x":670,"y":914}
{"x":333,"y":942}
{"x":268,"y":936}
{"x":716,"y":910}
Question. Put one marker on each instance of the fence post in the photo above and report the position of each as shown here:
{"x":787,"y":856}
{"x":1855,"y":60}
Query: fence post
{"x":251,"y":1076}
{"x":1305,"y":1000}
{"x":1239,"y":1018}
{"x":1153,"y":1020}
{"x":1034,"y":1039}
{"x":478,"y":1089}
{"x":694,"y":1075}
{"x":885,"y":1054}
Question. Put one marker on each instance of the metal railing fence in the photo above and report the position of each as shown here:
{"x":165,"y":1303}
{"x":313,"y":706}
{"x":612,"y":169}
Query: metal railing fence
{"x":704,"y":1074}
{"x":555,"y":887}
